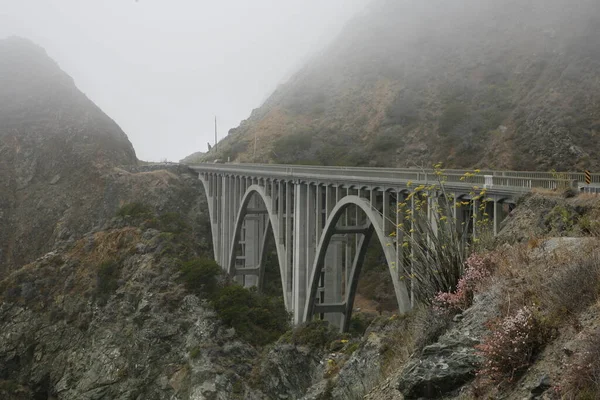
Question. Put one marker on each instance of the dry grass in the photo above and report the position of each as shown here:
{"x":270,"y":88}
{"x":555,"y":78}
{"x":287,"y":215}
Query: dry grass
{"x":105,"y":246}
{"x":559,"y":283}
{"x":583,"y":376}
{"x":399,"y":344}
{"x":429,"y":325}
{"x":547,"y":192}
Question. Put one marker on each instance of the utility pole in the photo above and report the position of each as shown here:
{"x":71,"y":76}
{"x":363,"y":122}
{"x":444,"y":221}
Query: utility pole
{"x":215,"y":133}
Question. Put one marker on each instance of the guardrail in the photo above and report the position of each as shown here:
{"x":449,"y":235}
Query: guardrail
{"x":576,"y":176}
{"x":500,"y":180}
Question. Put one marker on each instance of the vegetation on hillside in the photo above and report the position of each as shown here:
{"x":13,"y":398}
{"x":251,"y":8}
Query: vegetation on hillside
{"x":258,"y":318}
{"x":402,"y":86}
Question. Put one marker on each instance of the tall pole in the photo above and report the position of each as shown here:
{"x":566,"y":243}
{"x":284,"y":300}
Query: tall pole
{"x":215,"y":133}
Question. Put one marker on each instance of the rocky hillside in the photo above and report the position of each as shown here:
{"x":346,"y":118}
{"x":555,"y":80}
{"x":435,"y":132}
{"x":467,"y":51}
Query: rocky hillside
{"x":58,"y":151}
{"x":495,"y":83}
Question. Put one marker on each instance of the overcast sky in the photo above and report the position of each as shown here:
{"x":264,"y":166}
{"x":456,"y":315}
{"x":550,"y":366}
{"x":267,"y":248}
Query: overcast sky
{"x":163,"y":68}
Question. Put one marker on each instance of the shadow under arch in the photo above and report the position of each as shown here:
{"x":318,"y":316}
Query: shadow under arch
{"x":375,"y":225}
{"x":272,"y":223}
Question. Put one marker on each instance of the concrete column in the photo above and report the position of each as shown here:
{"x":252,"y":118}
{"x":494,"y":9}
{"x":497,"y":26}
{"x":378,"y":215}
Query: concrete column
{"x":280,"y":210}
{"x":273,"y":194}
{"x":333,"y":279}
{"x":432,"y":205}
{"x":300,"y":251}
{"x":225,"y":221}
{"x":232,"y":214}
{"x":399,"y":236}
{"x":347,"y":247}
{"x":289,"y":246}
{"x":386,"y":213}
{"x":236,"y":197}
{"x":498,"y":216}
{"x":311,"y":231}
{"x":253,"y":241}
{"x":330,"y":200}
{"x":219,"y":221}
{"x":475,"y":205}
{"x":318,"y":212}
{"x":412,"y":251}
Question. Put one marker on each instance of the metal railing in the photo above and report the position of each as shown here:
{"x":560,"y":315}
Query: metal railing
{"x":513,"y":181}
{"x":565,"y":175}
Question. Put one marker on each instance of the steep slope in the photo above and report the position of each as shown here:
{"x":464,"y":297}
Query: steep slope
{"x":503,"y":83}
{"x":56,"y":149}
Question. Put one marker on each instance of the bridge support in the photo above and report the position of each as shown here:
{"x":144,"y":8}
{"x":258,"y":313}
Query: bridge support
{"x":321,"y":227}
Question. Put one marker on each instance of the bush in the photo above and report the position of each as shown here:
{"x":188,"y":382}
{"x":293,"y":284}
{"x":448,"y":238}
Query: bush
{"x":572,"y":288}
{"x":452,"y":116}
{"x":201,"y":276}
{"x":134,"y":210}
{"x":256,"y":318}
{"x":107,"y":279}
{"x":561,"y":219}
{"x":510,"y":349}
{"x":477,"y":269}
{"x":315,"y":334}
{"x":429,"y":325}
{"x":172,"y":223}
{"x":435,"y":243}
{"x":359,"y":323}
{"x":583,"y":376}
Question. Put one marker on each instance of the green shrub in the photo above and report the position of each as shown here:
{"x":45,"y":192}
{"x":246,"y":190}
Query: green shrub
{"x":201,"y":276}
{"x":316,"y":334}
{"x":561,"y":219}
{"x":359,"y":324}
{"x":293,"y":147}
{"x":172,"y":222}
{"x":257,"y":318}
{"x":195,"y":352}
{"x":453,"y":115}
{"x":351,"y":348}
{"x":135,"y":210}
{"x":107,"y":279}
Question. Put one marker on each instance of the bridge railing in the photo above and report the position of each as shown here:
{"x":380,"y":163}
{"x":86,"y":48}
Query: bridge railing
{"x":578,"y":176}
{"x":483,"y":179}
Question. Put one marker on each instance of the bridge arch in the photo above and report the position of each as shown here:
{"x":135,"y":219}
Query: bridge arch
{"x":272,"y":226}
{"x":374,"y":226}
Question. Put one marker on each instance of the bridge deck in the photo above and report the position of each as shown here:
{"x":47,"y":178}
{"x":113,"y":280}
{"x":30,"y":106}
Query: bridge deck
{"x":499,"y":182}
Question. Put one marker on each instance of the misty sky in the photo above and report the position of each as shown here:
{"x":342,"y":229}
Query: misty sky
{"x":163,"y":68}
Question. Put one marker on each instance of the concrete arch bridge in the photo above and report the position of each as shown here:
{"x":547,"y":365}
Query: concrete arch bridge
{"x":322,"y":220}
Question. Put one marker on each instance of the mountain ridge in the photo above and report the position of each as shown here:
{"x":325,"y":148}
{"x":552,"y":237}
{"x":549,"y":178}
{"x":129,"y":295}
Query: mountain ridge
{"x":504,"y":84}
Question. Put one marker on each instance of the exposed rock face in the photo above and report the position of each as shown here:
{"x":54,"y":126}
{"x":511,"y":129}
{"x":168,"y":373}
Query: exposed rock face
{"x":452,"y":361}
{"x":288,"y":371}
{"x":57,"y":151}
{"x":68,"y":331}
{"x":507,"y":84}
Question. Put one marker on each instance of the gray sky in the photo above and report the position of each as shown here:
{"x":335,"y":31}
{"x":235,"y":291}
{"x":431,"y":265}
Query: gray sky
{"x":163,"y":68}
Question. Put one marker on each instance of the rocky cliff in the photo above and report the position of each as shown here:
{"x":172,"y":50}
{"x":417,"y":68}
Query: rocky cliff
{"x":495,"y":83}
{"x":58,"y":151}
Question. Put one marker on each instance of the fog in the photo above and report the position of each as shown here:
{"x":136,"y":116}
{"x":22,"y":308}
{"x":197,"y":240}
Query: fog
{"x":163,"y":69}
